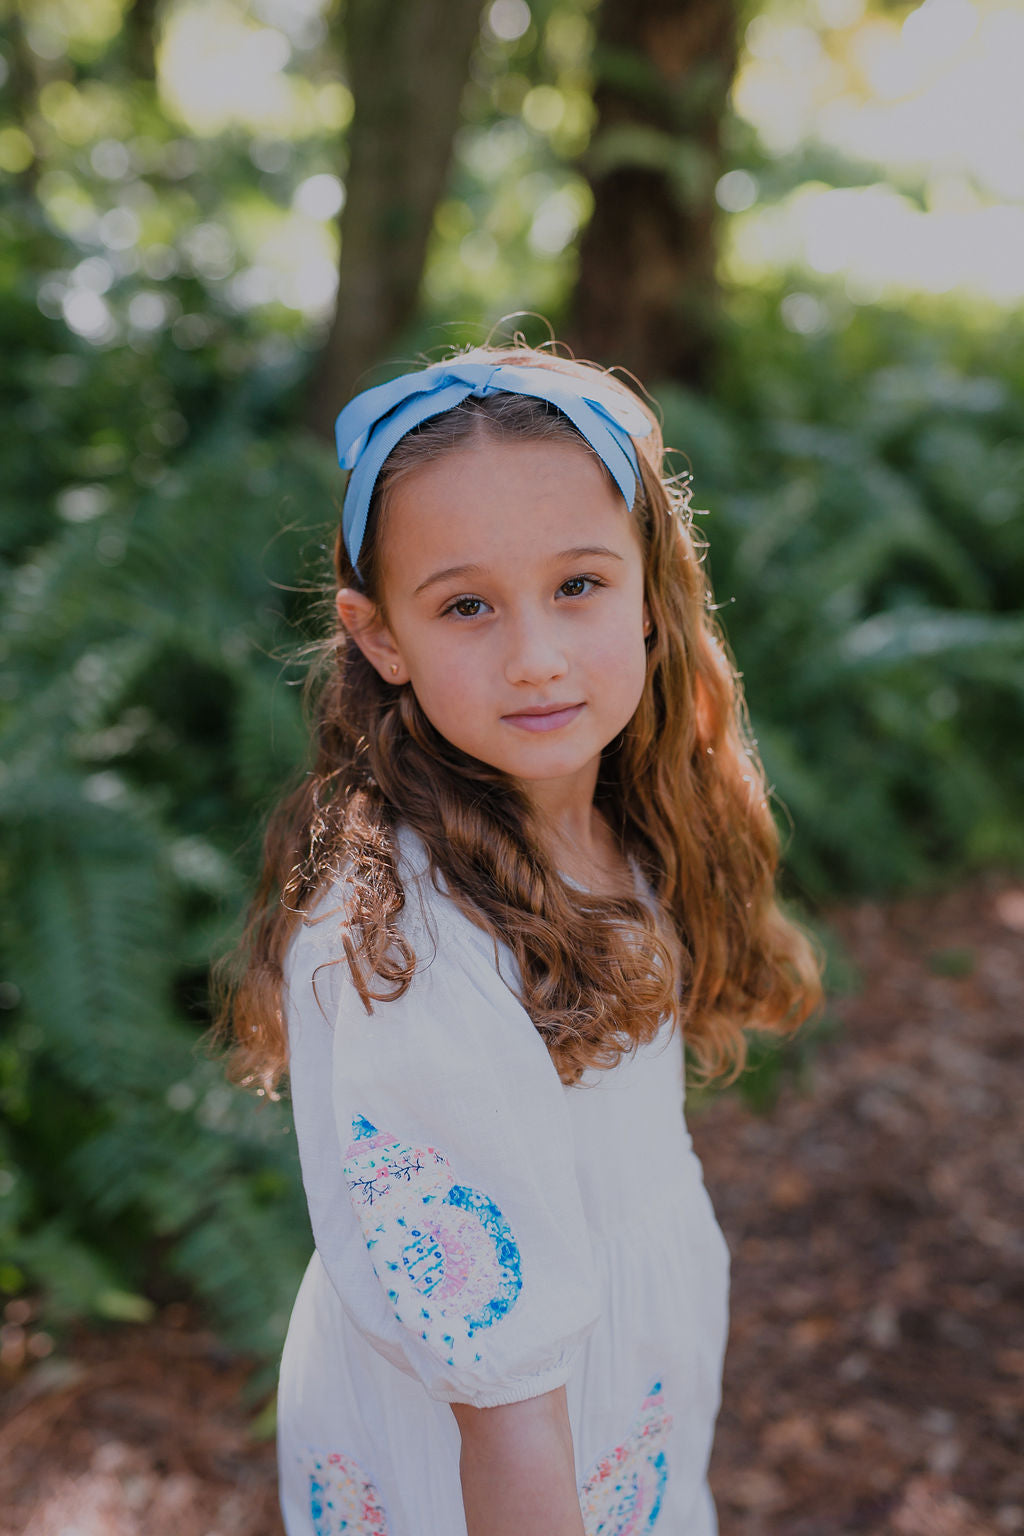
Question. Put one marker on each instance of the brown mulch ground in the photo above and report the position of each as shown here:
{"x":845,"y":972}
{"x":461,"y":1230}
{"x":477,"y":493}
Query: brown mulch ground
{"x":875,"y":1377}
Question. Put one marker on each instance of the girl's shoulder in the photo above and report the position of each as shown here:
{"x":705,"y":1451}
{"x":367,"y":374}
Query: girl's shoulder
{"x":455,"y":967}
{"x":430,"y":922}
{"x":430,"y":918}
{"x":334,"y":894}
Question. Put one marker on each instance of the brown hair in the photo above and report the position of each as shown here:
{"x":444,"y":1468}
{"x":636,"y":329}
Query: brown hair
{"x":681,"y":789}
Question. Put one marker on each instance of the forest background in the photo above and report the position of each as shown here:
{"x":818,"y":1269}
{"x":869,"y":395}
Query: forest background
{"x":801,"y":222}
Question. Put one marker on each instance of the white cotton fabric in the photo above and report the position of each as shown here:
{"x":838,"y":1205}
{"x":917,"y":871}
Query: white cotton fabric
{"x":526,"y":1236}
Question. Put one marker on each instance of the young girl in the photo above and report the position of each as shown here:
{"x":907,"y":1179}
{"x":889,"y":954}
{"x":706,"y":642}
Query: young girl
{"x":532,"y":858}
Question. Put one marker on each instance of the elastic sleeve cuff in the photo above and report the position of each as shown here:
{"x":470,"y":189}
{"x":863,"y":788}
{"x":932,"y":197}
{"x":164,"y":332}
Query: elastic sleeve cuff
{"x":517,"y":1392}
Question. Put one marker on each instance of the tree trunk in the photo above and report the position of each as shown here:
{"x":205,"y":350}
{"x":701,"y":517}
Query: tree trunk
{"x":140,"y":33}
{"x":646,"y":296}
{"x":408,"y":62}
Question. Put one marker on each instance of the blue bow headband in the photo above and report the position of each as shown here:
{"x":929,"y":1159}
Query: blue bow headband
{"x":374,"y":421}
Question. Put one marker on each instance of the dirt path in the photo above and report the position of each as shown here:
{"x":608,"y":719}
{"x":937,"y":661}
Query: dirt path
{"x":875,"y":1378}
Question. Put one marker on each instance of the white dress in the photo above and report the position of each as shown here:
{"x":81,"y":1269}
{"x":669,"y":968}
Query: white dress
{"x":483,"y":1235}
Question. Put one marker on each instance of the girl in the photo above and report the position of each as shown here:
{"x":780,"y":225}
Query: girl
{"x":533,"y":856}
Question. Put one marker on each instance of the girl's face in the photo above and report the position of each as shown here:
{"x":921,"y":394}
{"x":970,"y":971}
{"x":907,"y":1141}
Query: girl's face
{"x":513,"y":592}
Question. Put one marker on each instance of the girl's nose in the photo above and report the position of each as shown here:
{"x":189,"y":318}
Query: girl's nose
{"x":535,"y":654}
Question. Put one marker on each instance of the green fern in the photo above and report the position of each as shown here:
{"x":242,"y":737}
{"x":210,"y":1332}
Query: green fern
{"x":127,"y":814}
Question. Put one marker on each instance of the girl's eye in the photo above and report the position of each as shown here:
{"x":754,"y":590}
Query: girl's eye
{"x":579,"y":586}
{"x":466,"y":607}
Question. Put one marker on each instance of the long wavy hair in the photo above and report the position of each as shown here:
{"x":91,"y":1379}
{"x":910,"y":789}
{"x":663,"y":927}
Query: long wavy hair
{"x":681,"y":789}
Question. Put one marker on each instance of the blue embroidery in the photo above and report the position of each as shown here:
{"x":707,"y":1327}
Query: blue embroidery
{"x":506,"y":1249}
{"x":660,"y":1466}
{"x":316,"y":1498}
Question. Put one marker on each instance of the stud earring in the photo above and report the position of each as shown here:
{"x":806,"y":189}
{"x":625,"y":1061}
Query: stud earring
{"x":394,"y":669}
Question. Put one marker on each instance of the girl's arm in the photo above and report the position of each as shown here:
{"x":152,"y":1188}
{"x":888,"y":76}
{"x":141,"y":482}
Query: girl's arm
{"x":517,"y":1468}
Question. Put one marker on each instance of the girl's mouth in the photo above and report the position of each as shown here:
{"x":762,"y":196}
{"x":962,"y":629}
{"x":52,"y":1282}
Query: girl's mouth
{"x":548,"y":718}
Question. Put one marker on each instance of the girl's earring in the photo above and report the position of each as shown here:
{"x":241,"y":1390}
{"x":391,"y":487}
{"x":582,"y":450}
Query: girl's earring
{"x":394,"y":669}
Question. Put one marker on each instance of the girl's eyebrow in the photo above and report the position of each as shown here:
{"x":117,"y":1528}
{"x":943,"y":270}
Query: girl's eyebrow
{"x":445,"y":575}
{"x":577,"y":553}
{"x":582,"y":550}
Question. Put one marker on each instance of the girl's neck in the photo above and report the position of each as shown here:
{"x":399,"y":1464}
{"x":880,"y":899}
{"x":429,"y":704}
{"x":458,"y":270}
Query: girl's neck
{"x":579,"y":842}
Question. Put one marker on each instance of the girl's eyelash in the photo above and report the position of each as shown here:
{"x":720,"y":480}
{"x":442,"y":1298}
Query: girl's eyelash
{"x":464,"y":597}
{"x":593,"y":582}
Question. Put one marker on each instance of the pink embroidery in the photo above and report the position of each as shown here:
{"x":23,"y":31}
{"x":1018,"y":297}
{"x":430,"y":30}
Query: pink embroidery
{"x":343,"y":1501}
{"x":623,"y":1493}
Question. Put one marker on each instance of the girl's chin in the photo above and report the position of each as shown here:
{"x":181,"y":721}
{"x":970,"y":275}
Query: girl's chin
{"x":534,"y":776}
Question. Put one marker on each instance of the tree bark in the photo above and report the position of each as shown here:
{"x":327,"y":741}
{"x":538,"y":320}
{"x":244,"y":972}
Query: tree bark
{"x":408,"y":62}
{"x":646,"y":295}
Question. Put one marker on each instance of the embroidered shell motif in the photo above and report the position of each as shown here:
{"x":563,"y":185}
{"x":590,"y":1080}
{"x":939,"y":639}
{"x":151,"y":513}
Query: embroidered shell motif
{"x":443,"y":1252}
{"x":343,"y":1501}
{"x":623,"y":1492}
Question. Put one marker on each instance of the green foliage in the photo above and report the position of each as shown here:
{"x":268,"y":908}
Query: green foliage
{"x":867,"y":548}
{"x":148,"y":720}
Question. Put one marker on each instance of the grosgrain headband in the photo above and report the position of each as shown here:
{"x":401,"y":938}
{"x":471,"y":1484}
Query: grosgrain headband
{"x":374,"y":421}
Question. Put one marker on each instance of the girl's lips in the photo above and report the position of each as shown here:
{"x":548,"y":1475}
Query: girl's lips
{"x":546,"y":720}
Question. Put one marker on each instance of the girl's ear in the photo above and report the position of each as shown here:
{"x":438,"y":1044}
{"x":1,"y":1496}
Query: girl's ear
{"x":362,"y":619}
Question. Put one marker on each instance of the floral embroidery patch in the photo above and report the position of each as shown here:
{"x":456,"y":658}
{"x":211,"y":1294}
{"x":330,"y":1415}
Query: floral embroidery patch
{"x":443,"y":1252}
{"x":623,"y":1492}
{"x":343,"y":1501}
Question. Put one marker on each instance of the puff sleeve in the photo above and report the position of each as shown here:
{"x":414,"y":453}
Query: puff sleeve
{"x":439,"y":1164}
